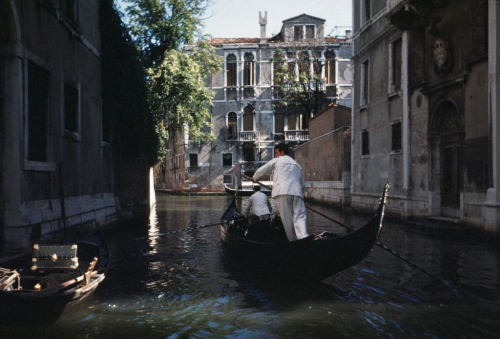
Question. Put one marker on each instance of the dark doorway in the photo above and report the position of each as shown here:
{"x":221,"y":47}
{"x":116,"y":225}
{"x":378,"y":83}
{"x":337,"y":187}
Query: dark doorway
{"x":450,"y":177}
{"x":447,"y":130}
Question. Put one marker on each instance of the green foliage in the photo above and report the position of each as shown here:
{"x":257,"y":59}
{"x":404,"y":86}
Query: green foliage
{"x":298,"y":87}
{"x":163,"y":25}
{"x":128,"y":122}
{"x":178,"y":96}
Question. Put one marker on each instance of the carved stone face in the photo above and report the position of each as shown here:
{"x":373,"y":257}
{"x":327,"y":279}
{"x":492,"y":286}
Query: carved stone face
{"x":440,"y":54}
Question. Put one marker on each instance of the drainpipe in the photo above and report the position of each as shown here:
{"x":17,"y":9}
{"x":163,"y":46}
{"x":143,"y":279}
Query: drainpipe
{"x":406,"y":113}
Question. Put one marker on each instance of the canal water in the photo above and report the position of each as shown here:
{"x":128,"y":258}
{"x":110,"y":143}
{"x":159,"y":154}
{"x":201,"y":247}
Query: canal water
{"x":163,"y":285}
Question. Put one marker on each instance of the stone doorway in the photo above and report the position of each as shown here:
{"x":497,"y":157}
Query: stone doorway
{"x":446,"y":147}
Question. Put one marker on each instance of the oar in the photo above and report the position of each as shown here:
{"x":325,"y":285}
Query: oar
{"x":384,"y":247}
{"x":179,"y":231}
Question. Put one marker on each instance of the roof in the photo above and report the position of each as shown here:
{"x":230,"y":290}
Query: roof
{"x":220,"y":41}
{"x":304,"y":15}
{"x":274,"y":39}
{"x":329,"y":107}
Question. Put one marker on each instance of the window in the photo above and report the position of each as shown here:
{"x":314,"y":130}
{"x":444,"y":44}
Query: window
{"x":266,"y":154}
{"x":301,"y":31}
{"x":38,"y":106}
{"x":248,"y":152}
{"x":304,"y":64}
{"x":396,"y":137}
{"x":232,"y":128}
{"x":365,"y":72}
{"x":193,"y":160}
{"x":70,"y":108}
{"x":227,"y":178}
{"x":279,"y":122}
{"x":227,"y":160}
{"x":317,"y":65}
{"x":296,"y":120}
{"x":396,"y":65}
{"x":248,"y":118}
{"x":298,"y":32}
{"x":367,"y":10}
{"x":278,"y":61}
{"x":365,"y":143}
{"x":69,"y":9}
{"x":291,"y":62}
{"x":292,"y":121}
{"x":231,"y":70}
{"x":330,"y":67}
{"x":248,"y":79}
{"x":309,"y":31}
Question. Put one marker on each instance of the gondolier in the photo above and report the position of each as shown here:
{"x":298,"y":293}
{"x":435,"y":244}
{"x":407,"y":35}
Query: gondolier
{"x":288,"y":186}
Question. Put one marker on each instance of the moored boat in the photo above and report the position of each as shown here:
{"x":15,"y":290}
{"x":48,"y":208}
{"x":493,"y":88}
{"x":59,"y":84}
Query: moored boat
{"x":311,"y":259}
{"x":245,"y":192}
{"x":57,"y":279}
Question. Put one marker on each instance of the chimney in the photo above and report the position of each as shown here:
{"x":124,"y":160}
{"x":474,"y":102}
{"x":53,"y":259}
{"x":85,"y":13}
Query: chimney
{"x":263,"y":23}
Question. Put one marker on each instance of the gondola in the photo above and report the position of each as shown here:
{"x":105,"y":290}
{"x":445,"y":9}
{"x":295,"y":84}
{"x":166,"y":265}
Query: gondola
{"x":57,"y":279}
{"x":311,"y":259}
{"x":246,"y":192}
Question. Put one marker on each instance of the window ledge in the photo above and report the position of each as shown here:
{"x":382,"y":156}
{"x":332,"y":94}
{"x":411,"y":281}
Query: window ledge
{"x":105,"y":144}
{"x":365,"y":156}
{"x":393,"y":94}
{"x":396,"y":152}
{"x":39,"y":166}
{"x":72,"y":135}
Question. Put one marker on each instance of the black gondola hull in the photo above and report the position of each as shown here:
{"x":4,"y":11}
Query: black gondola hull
{"x":310,"y":259}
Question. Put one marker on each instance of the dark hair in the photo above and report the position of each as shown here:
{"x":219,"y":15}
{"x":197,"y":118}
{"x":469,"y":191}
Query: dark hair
{"x":256,"y":188}
{"x":282,"y":148}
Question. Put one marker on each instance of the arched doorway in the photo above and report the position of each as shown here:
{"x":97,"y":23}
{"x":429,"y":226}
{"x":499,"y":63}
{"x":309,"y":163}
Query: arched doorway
{"x":446,"y":147}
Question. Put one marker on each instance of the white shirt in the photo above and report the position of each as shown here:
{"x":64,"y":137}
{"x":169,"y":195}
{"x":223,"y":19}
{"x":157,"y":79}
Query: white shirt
{"x":258,"y":204}
{"x":288,"y":178}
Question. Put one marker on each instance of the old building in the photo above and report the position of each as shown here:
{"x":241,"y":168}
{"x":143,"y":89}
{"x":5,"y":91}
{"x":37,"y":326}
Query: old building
{"x":425,"y":108}
{"x":56,"y":161}
{"x":326,"y":158}
{"x":247,"y":122}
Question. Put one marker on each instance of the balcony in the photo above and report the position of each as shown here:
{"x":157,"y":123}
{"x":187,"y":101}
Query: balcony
{"x":247,"y":136}
{"x":407,"y":13}
{"x":301,"y":135}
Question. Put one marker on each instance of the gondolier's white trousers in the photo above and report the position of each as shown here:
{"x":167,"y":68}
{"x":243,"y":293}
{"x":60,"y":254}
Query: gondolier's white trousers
{"x":293,"y":215}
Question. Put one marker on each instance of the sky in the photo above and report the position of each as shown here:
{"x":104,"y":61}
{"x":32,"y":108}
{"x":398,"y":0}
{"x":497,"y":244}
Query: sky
{"x":240,"y":18}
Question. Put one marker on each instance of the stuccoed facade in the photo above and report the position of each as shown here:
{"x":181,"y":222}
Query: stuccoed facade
{"x":246,"y":124}
{"x":57,"y":170}
{"x":425,"y":108}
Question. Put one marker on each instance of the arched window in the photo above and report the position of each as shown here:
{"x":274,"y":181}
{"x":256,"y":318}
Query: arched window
{"x":232,"y":127}
{"x":248,"y":71}
{"x":231,"y":70}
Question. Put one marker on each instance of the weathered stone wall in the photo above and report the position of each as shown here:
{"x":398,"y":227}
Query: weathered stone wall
{"x":74,"y":183}
{"x":325,"y":162}
{"x":444,"y":104}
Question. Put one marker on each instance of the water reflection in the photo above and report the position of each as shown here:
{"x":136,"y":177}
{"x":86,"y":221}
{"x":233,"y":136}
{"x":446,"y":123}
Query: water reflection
{"x":182,"y":287}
